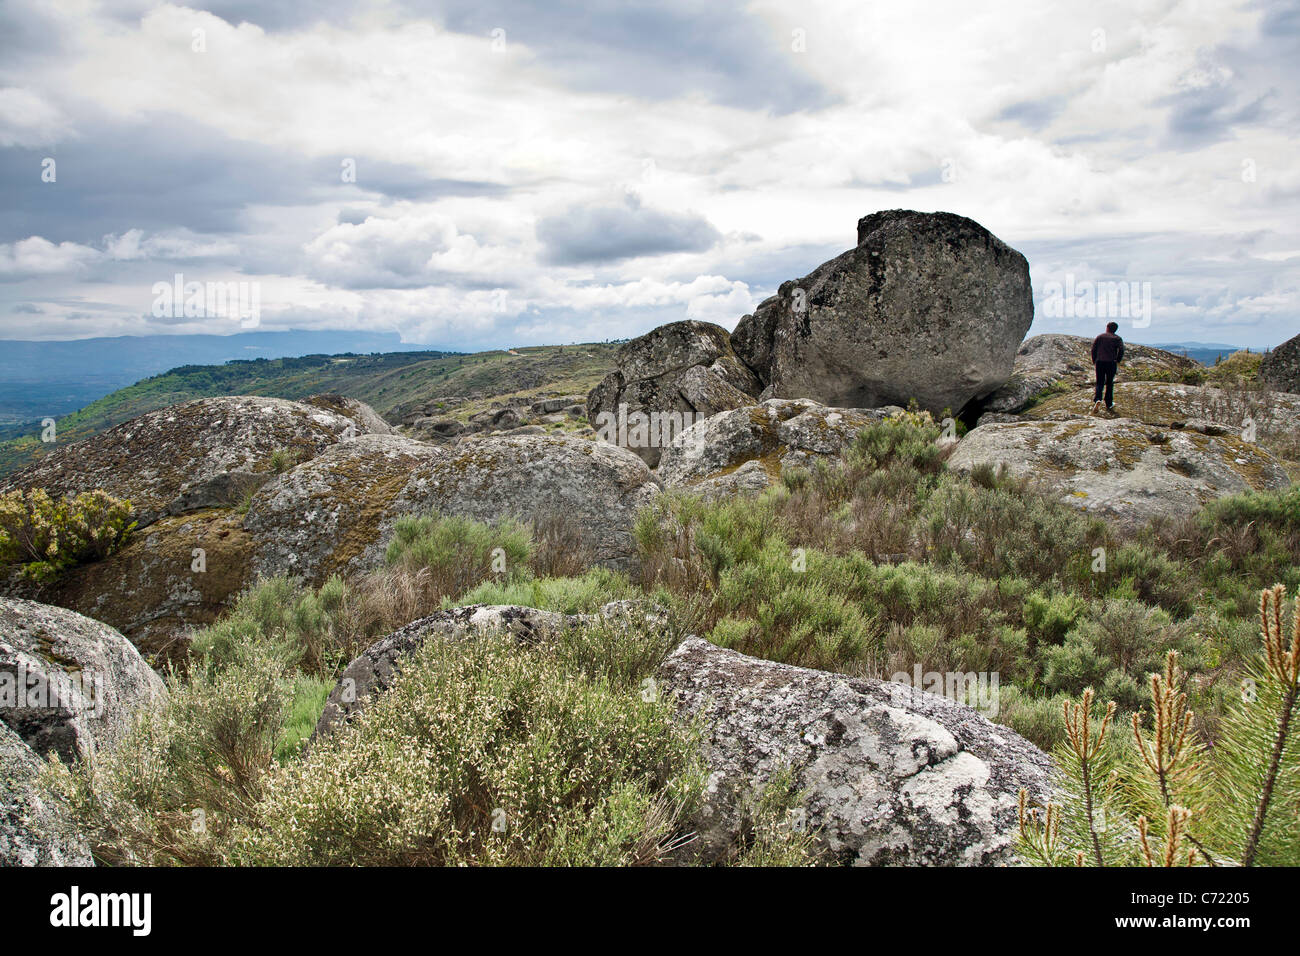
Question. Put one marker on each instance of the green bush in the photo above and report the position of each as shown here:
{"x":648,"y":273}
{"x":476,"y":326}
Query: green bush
{"x":484,"y":753}
{"x":458,"y":553}
{"x":306,"y":704}
{"x":1151,"y":792}
{"x":584,"y":594}
{"x":45,"y":537}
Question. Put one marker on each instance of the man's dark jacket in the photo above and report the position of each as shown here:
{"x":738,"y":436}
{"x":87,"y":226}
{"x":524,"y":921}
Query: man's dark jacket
{"x":1107,"y":347}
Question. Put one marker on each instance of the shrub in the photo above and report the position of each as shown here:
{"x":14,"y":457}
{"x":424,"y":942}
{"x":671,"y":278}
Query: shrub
{"x":909,"y":437}
{"x":1153,"y":794}
{"x":488,"y":754}
{"x":458,"y":552}
{"x":45,"y":537}
{"x":1237,"y":369}
{"x":1116,"y":646}
{"x":565,"y":746}
{"x":306,"y":703}
{"x":283,"y":459}
{"x":186,"y":778}
{"x":584,"y":594}
{"x":1037,"y":719}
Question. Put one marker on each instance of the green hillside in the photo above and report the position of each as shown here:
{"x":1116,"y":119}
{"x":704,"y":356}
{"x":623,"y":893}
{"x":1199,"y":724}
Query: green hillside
{"x":393,"y":383}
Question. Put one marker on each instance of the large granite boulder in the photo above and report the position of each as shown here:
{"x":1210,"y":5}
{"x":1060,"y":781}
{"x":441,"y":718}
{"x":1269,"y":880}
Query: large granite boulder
{"x":168,"y":460}
{"x":366,"y":419}
{"x":678,"y":372}
{"x":34,"y":828}
{"x":1280,"y":368}
{"x":593,"y":488}
{"x":892,"y":775}
{"x":68,"y":684}
{"x":745,"y":450}
{"x":927,"y":306}
{"x":1121,"y":469}
{"x":1064,"y":362}
{"x":326,"y":515}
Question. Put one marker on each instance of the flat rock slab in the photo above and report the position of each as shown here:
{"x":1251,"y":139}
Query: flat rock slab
{"x":1156,"y":403}
{"x":1046,"y":360}
{"x":1121,"y":469}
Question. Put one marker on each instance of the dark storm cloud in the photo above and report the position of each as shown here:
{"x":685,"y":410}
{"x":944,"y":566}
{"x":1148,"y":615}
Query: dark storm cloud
{"x":1270,"y":63}
{"x":1207,"y":115}
{"x":660,"y":51}
{"x":167,"y":172}
{"x":398,"y":181}
{"x":28,"y":34}
{"x":586,"y":234}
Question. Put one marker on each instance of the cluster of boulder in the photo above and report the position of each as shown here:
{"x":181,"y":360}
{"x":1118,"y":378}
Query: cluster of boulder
{"x":927,"y":310}
{"x":518,"y":415}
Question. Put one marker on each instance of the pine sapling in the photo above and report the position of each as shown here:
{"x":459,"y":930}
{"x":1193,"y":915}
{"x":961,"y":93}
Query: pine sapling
{"x":1282,"y":664}
{"x":1078,"y":718}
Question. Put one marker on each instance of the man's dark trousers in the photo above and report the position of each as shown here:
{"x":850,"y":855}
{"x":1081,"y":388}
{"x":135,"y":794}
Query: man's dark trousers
{"x":1106,"y":380}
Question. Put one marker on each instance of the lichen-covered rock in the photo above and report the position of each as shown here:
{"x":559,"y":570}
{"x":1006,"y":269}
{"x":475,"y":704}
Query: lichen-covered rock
{"x":683,"y":367}
{"x":892,"y":776}
{"x":327,"y":515}
{"x":34,"y":828}
{"x":180,"y":573}
{"x":156,"y":459}
{"x":708,"y":393}
{"x":1121,"y":469}
{"x":1156,"y":403}
{"x":1065,"y":361}
{"x":564,"y":403}
{"x":68,"y":684}
{"x":595,"y":488}
{"x":927,"y":306}
{"x":366,"y":419}
{"x":1280,"y":368}
{"x":777,"y":434}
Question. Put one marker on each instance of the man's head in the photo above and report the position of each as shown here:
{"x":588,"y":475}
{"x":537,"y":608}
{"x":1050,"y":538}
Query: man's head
{"x":1112,"y":327}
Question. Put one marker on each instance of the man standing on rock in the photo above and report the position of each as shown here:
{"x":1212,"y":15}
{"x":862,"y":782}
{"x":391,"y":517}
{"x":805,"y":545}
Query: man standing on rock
{"x":1107,"y":353}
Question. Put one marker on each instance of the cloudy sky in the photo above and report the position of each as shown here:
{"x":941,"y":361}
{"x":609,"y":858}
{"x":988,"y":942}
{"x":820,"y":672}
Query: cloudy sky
{"x":482,"y":174}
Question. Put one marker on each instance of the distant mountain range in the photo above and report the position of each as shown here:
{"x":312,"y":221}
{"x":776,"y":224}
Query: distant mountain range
{"x":51,"y":379}
{"x":395,"y":384}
